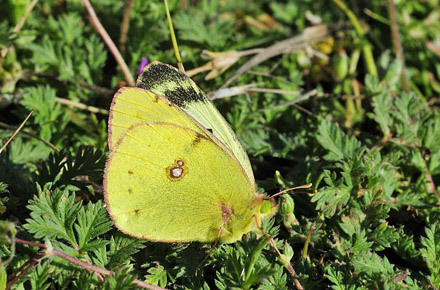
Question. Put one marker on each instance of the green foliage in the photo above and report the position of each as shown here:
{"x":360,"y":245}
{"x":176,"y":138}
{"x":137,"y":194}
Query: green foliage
{"x":157,"y":276}
{"x":48,"y":114}
{"x":370,"y":146}
{"x":62,"y":167}
{"x":194,"y":27}
{"x":243,"y":268}
{"x":338,"y":144}
{"x":431,"y":253}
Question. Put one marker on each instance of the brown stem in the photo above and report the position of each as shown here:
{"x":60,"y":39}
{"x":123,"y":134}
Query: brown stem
{"x":401,"y":276}
{"x":124,"y":26}
{"x":310,"y":34}
{"x":382,"y":142}
{"x":397,"y":44}
{"x":431,"y":181}
{"x":294,"y":276}
{"x":432,"y":285}
{"x":85,"y":265}
{"x":432,"y":47}
{"x":111,"y":45}
{"x":304,"y":186}
{"x":15,"y":276}
{"x":287,"y":265}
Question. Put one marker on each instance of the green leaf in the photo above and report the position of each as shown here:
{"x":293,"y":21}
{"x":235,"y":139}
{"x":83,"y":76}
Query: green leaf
{"x":26,"y":152}
{"x":199,"y":28}
{"x":121,"y":249}
{"x":276,"y":281}
{"x":382,"y":114}
{"x":119,"y":280}
{"x":53,"y":214}
{"x":39,"y":278}
{"x":372,"y":263}
{"x":432,"y":134}
{"x":336,"y":276}
{"x":431,"y":253}
{"x":332,"y":197}
{"x":157,"y":276}
{"x":338,"y":144}
{"x":69,"y":28}
{"x":92,"y":221}
{"x":47,"y":113}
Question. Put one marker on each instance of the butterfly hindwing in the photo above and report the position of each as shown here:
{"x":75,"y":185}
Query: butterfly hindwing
{"x":179,"y":89}
{"x":162,"y":183}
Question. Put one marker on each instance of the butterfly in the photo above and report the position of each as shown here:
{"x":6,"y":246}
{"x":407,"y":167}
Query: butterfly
{"x":176,"y":171}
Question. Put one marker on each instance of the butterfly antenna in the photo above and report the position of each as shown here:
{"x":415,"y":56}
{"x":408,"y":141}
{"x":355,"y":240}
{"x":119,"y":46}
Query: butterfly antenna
{"x":173,"y":39}
{"x":305,"y":186}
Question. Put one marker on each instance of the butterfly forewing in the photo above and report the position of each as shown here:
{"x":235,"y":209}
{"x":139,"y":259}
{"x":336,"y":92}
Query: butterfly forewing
{"x":178,"y":88}
{"x":131,"y":106}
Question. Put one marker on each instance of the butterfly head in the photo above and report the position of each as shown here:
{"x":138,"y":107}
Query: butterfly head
{"x":268,"y":209}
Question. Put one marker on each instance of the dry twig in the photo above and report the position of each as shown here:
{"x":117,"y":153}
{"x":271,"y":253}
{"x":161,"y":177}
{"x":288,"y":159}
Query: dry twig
{"x":311,"y":34}
{"x":16,"y":132}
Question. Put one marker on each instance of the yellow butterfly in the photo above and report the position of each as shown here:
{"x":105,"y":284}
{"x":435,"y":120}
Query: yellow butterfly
{"x":176,"y":170}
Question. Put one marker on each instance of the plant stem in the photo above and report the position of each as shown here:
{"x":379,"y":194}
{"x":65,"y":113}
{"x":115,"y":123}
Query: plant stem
{"x":50,"y":145}
{"x":295,"y":277}
{"x":16,"y":132}
{"x":111,"y":45}
{"x":366,"y":47}
{"x":254,"y":255}
{"x":354,"y":59}
{"x":397,"y":44}
{"x":14,"y":277}
{"x":85,"y":265}
{"x":81,"y":106}
{"x":124,"y":26}
{"x":306,"y":244}
{"x":173,"y":38}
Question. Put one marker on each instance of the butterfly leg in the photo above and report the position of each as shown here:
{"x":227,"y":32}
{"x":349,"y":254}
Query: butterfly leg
{"x":212,"y":247}
{"x":226,"y":215}
{"x":215,"y":243}
{"x":259,"y":228}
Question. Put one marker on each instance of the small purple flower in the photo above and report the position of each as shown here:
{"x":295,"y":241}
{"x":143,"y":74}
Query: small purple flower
{"x":142,"y":65}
